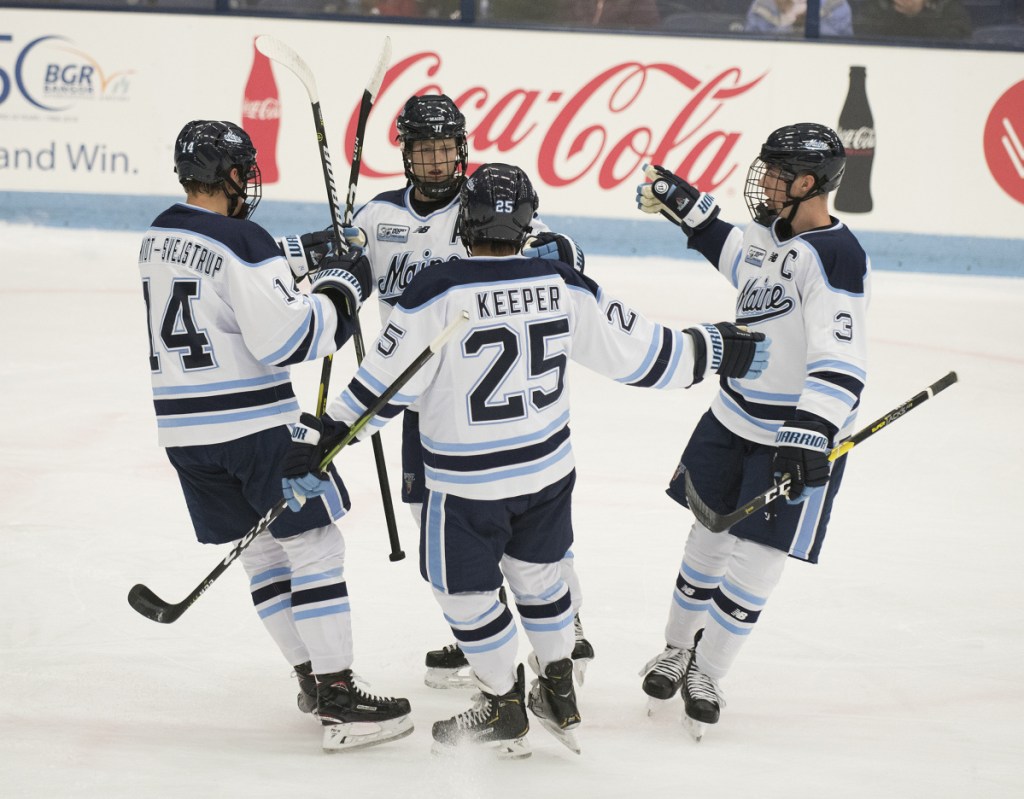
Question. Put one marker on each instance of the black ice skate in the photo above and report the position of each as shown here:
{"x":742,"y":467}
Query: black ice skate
{"x":701,"y":696}
{"x":663,"y":676}
{"x":307,"y":687}
{"x":353,"y":719}
{"x":448,"y":668}
{"x":582,"y":651}
{"x":494,"y":722}
{"x":553,"y":701}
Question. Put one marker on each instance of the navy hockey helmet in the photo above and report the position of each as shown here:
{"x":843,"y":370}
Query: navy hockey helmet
{"x":206,"y":151}
{"x":806,"y":148}
{"x":433,"y":117}
{"x":497,"y":203}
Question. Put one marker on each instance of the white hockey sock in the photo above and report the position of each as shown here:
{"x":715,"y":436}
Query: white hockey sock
{"x":266,"y":563}
{"x":544,"y":605}
{"x":754,"y":571}
{"x":487,"y":635}
{"x":320,"y":605}
{"x":705,"y":559}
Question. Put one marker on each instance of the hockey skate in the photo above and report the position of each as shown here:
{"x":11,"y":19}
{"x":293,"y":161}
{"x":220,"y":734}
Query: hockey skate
{"x":306,"y":699}
{"x":353,"y":719}
{"x":494,"y":722}
{"x":663,"y":676}
{"x":448,"y":668}
{"x":582,"y":651}
{"x":702,"y":697}
{"x":553,"y":701}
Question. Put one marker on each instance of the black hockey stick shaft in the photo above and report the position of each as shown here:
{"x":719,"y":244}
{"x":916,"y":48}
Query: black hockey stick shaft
{"x":279,"y":52}
{"x":717,"y":522}
{"x":142,"y":598}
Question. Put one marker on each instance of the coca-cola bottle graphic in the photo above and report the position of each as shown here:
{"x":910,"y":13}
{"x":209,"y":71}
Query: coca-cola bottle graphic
{"x":261,"y":114}
{"x":857,"y":131}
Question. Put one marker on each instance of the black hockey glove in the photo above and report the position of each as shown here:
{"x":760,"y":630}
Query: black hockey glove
{"x":728,"y":350}
{"x":304,"y":253}
{"x":312,"y":438}
{"x":675,"y":199}
{"x":346,"y":278}
{"x":555,"y":247}
{"x":802,"y":449}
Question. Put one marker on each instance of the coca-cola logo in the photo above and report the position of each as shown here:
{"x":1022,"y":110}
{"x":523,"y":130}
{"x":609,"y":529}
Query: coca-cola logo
{"x":1004,"y":141}
{"x":855,"y":139}
{"x":597,"y":131}
{"x":267,"y":108}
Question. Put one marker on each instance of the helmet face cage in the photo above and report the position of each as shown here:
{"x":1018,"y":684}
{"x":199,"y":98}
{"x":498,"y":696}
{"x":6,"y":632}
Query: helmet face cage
{"x":425,"y":126}
{"x":497,"y":204}
{"x":206,"y":152}
{"x":803,"y":149}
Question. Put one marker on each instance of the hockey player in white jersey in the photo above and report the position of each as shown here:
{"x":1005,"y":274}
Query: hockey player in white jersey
{"x":803,"y":280}
{"x":404,"y":231}
{"x":225,"y":322}
{"x":494,"y":422}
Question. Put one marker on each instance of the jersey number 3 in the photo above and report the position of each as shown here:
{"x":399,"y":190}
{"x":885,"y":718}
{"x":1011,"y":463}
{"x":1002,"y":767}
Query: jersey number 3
{"x":483,"y":405}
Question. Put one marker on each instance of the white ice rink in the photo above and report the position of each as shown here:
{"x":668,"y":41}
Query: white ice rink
{"x":893,"y":669}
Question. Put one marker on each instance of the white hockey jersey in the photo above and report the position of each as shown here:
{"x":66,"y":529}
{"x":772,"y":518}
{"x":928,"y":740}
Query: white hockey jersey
{"x":225,"y":321}
{"x":400,"y":242}
{"x":809,"y":294}
{"x":494,"y":405}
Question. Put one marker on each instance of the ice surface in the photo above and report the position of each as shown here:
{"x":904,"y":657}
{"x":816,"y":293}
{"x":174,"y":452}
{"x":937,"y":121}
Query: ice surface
{"x":893,"y":669}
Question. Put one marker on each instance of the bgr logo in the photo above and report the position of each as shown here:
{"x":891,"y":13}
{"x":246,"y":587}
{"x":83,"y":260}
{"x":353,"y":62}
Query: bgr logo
{"x":50,"y":71}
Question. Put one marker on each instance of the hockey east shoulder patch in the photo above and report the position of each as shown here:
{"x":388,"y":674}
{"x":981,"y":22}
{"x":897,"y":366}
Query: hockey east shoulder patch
{"x":755,"y":256}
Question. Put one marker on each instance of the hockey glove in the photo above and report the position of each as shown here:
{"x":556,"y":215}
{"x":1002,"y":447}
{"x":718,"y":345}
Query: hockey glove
{"x":555,"y":247}
{"x":346,"y":278}
{"x":304,"y":253}
{"x":802,"y":449}
{"x":675,"y":199}
{"x":312,"y":438}
{"x":727,"y":350}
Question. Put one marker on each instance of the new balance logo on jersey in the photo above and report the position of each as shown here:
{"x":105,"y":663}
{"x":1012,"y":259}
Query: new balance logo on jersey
{"x":423,"y":229}
{"x":739,"y":614}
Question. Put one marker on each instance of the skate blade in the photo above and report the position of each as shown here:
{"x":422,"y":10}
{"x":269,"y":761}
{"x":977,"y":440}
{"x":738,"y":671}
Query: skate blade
{"x":694,"y":727}
{"x":579,"y":670}
{"x":449,"y":678}
{"x":565,"y":737}
{"x":360,"y":734}
{"x":655,"y":706}
{"x":514,"y":749}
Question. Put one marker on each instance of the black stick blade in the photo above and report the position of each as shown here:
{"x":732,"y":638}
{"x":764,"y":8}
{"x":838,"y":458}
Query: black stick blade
{"x":144,"y":601}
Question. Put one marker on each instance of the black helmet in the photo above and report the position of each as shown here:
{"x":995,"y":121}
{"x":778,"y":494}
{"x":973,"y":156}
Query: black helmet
{"x":803,"y":149}
{"x":206,"y":151}
{"x":431,"y":117}
{"x":497,"y":204}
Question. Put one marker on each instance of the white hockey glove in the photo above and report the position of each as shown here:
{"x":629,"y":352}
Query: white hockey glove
{"x":304,"y":253}
{"x":802,"y":449}
{"x":675,"y":199}
{"x":346,"y":279}
{"x":728,"y":350}
{"x":555,"y":247}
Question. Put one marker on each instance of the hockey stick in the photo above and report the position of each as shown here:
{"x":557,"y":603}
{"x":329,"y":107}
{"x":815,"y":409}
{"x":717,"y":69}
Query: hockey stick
{"x":142,"y":598}
{"x":717,"y":522}
{"x":278,"y":51}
